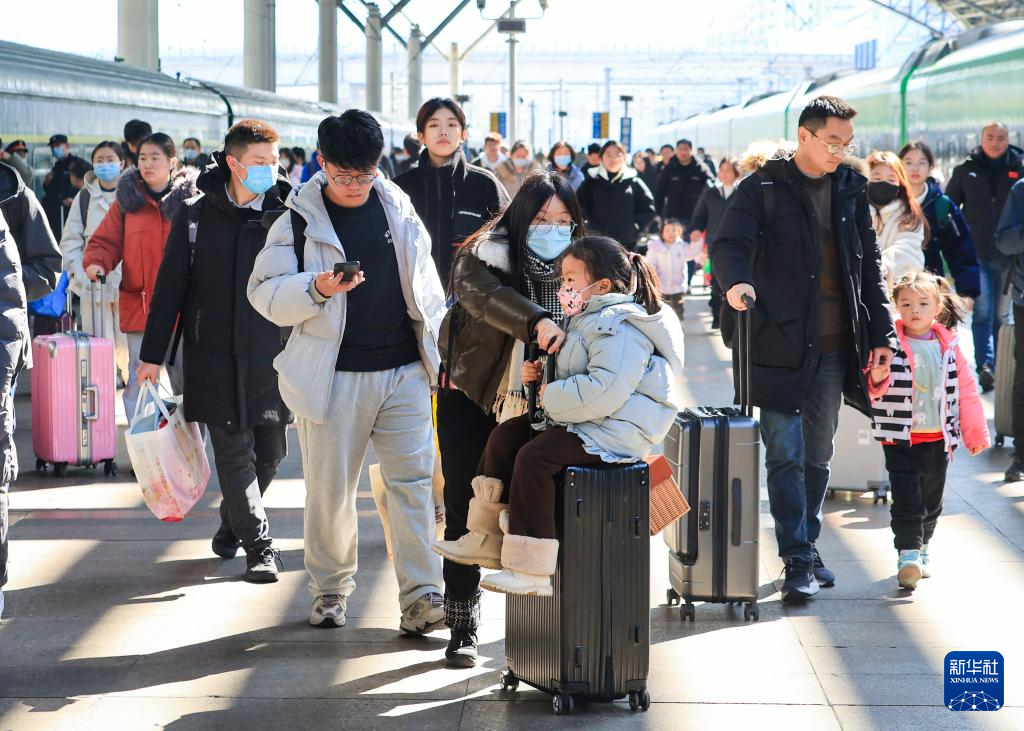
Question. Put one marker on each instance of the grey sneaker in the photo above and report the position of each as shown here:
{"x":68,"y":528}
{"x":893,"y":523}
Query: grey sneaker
{"x":328,"y":611}
{"x":426,"y":614}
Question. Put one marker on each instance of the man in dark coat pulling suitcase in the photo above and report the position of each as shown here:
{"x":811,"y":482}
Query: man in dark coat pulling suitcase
{"x":230,"y":381}
{"x":798,"y":238}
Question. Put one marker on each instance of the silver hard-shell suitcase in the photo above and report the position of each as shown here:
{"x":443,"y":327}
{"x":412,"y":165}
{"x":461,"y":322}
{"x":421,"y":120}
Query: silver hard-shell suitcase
{"x":858,"y":463}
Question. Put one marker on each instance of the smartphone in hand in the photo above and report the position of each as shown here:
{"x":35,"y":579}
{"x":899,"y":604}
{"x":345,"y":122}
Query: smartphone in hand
{"x":349,"y":268}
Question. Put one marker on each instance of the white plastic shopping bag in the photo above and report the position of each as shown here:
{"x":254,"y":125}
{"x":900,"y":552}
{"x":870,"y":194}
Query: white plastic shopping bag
{"x":167,"y":454}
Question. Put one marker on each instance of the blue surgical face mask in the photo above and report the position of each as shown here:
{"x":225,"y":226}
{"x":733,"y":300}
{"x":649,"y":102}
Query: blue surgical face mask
{"x":189,"y":154}
{"x":58,"y":152}
{"x":520,"y":162}
{"x":260,"y":178}
{"x":563,"y":161}
{"x":107,"y":172}
{"x":548,"y":245}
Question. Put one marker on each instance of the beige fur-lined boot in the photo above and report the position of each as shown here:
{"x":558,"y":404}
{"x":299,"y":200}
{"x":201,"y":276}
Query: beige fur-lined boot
{"x":528,"y":564}
{"x":481,"y":546}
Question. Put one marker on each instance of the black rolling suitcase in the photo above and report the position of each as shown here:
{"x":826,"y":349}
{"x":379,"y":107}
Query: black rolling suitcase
{"x":716,"y":455}
{"x":591,"y":638}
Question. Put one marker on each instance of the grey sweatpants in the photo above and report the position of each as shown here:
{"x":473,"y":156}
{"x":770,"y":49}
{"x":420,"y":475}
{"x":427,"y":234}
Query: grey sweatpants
{"x":391,"y":408}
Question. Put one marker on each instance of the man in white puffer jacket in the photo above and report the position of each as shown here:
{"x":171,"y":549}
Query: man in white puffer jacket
{"x":359,"y":364}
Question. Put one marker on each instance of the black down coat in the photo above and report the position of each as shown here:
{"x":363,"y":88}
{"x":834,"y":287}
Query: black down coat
{"x":454,"y":201}
{"x":785,"y":275}
{"x":229,"y":349}
{"x":620,"y":208}
{"x":980,"y":187}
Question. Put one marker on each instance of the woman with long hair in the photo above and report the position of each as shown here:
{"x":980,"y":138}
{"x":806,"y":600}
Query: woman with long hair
{"x":896,"y":215}
{"x":505,"y":281}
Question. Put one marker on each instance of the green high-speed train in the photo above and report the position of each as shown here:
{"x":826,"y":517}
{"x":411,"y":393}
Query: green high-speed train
{"x":943,"y":94}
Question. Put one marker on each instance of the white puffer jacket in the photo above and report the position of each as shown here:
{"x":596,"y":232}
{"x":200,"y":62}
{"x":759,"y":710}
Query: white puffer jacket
{"x":281,"y":293}
{"x":77,"y":233}
{"x":902,"y":250}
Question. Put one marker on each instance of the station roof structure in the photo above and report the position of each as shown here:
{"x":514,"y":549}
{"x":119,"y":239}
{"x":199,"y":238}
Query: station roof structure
{"x":971,"y":13}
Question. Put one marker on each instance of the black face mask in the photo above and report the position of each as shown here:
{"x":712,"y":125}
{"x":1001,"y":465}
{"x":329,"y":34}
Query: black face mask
{"x":882,"y":193}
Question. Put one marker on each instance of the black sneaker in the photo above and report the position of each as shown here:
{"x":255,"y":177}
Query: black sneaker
{"x":1016,"y":471}
{"x":461,"y":652}
{"x":824,"y":576}
{"x":986,"y":378}
{"x":224,"y":542}
{"x":800,"y":584}
{"x":261,"y":566}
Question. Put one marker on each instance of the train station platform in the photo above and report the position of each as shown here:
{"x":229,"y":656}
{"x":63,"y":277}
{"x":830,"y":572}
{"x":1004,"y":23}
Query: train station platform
{"x":117,"y":621}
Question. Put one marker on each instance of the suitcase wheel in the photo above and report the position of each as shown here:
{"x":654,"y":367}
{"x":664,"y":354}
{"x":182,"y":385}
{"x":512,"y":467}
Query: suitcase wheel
{"x":687,"y":612}
{"x":1000,"y":440}
{"x":40,"y":466}
{"x":60,"y":469}
{"x":639,"y":700}
{"x":672,"y":597}
{"x":751,"y":612}
{"x":110,"y":468}
{"x":563,"y":704}
{"x":508,"y":680}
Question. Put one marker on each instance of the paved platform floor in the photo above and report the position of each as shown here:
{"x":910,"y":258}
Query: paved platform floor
{"x":117,"y":621}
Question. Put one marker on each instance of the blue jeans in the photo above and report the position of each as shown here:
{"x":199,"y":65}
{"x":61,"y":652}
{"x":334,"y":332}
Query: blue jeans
{"x":798,"y":448}
{"x":989,"y":314}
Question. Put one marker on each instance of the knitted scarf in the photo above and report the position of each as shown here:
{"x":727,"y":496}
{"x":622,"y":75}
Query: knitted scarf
{"x":541,"y":281}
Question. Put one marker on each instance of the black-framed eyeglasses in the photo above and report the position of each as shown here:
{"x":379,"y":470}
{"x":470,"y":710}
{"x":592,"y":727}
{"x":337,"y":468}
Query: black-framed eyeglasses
{"x":342,"y":179}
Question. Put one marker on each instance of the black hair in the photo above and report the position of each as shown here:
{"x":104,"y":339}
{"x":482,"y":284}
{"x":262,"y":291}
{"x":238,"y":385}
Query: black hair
{"x":353,"y":140}
{"x":79,"y":167}
{"x":519,"y":145}
{"x":593,"y":149}
{"x":666,"y":146}
{"x":430,"y":107}
{"x":164,"y":142}
{"x":816,"y":114}
{"x":412,"y":145}
{"x":617,"y":145}
{"x":299,"y":154}
{"x":629,"y":272}
{"x":514,"y":223}
{"x":920,"y":147}
{"x":191,"y":139}
{"x":135,"y":131}
{"x":247,"y":132}
{"x":684,"y":141}
{"x":114,"y":146}
{"x":732,"y":162}
{"x":562,"y":143}
{"x":649,"y":150}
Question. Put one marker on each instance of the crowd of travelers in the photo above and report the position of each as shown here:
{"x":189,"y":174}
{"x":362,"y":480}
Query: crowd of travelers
{"x":859,"y":270}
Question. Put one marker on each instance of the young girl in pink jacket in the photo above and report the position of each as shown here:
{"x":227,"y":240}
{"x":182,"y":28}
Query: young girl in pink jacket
{"x":925,"y":403}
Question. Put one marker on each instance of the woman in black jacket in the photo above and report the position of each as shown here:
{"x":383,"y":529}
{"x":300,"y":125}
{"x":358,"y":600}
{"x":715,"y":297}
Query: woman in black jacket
{"x":453,"y":198}
{"x":506,"y":282}
{"x":615,"y":201}
{"x":707,"y":217}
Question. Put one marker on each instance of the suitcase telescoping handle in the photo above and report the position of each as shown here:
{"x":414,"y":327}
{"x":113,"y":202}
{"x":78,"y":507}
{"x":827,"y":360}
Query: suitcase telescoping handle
{"x":533,"y":390}
{"x":94,"y":294}
{"x":743,"y":338}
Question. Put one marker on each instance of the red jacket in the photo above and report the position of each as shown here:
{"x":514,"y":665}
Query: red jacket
{"x":134,"y":232}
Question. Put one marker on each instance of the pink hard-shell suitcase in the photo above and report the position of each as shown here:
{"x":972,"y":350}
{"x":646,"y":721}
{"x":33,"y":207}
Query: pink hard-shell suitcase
{"x":73,"y":401}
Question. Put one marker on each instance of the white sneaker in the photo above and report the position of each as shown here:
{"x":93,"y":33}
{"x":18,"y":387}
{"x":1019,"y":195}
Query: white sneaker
{"x":426,"y":614}
{"x":472,"y":549}
{"x":908,"y":571}
{"x":925,"y":568}
{"x":329,"y":611}
{"x":516,"y":582}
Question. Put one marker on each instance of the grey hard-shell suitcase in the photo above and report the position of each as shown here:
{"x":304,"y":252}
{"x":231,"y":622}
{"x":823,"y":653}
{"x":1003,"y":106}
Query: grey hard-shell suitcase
{"x":1004,"y":385}
{"x":858,"y":463}
{"x":716,"y":455}
{"x":591,"y":638}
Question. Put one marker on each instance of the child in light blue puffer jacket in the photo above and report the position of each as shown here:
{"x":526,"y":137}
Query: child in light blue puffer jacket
{"x":614,"y":397}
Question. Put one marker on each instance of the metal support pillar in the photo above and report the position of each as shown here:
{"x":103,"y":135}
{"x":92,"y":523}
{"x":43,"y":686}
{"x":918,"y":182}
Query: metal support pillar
{"x":453,"y":71}
{"x":138,"y":33}
{"x":415,"y":71}
{"x":259,"y":48}
{"x":329,"y":51}
{"x":373,"y":59}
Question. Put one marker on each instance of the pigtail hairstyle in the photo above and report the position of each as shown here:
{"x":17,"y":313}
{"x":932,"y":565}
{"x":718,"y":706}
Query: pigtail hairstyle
{"x":629,"y":273}
{"x":951,"y":306}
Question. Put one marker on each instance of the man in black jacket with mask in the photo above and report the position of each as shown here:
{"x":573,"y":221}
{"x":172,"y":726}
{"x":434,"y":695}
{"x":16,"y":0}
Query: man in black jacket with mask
{"x":980,"y":186}
{"x":230,"y":381}
{"x":682,"y":181}
{"x":798,"y":238}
